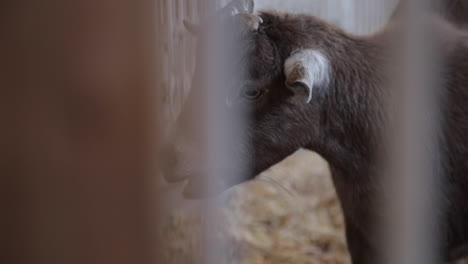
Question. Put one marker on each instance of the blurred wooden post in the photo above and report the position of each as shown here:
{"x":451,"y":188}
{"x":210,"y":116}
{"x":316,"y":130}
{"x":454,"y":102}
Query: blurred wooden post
{"x":77,"y":132}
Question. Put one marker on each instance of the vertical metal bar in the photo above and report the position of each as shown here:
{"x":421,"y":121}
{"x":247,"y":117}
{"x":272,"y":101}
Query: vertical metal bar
{"x":412,"y":229}
{"x":211,"y":250}
{"x":218,"y":133}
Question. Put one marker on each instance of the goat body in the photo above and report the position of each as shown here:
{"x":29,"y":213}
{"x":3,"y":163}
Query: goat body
{"x":344,"y":122}
{"x":322,"y":89}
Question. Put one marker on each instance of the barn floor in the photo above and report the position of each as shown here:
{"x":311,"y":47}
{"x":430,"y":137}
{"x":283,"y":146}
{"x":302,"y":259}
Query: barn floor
{"x":294,"y":219}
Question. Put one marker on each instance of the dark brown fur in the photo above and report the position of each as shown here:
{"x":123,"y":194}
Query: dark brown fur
{"x":343,"y":121}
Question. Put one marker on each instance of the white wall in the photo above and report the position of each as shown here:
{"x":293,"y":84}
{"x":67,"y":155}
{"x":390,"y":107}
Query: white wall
{"x":355,"y":16}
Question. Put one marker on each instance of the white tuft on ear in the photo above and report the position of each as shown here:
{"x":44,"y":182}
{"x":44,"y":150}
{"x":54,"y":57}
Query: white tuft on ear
{"x":308,"y":67}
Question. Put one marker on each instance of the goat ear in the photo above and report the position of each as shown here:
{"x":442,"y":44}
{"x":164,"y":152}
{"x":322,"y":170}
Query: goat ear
{"x":240,"y":6}
{"x":192,"y":28}
{"x":307,"y":69}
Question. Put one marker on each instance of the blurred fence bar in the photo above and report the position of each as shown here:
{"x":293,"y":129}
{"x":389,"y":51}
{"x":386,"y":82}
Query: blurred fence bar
{"x":411,"y":228}
{"x":77,"y":132}
{"x":175,"y":78}
{"x":178,"y":51}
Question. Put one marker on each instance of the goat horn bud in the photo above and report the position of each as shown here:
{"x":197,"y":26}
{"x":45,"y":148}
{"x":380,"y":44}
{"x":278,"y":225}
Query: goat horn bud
{"x":252,"y":21}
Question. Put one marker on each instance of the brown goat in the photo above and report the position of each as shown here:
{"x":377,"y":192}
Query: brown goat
{"x":308,"y":84}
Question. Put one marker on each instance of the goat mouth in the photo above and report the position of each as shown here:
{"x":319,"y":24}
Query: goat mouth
{"x":201,"y":189}
{"x":196,"y":190}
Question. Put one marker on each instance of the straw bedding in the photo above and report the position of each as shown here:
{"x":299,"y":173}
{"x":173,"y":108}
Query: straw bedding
{"x":290,"y":215}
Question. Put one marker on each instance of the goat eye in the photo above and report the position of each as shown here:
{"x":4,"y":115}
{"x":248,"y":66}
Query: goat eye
{"x":252,"y":94}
